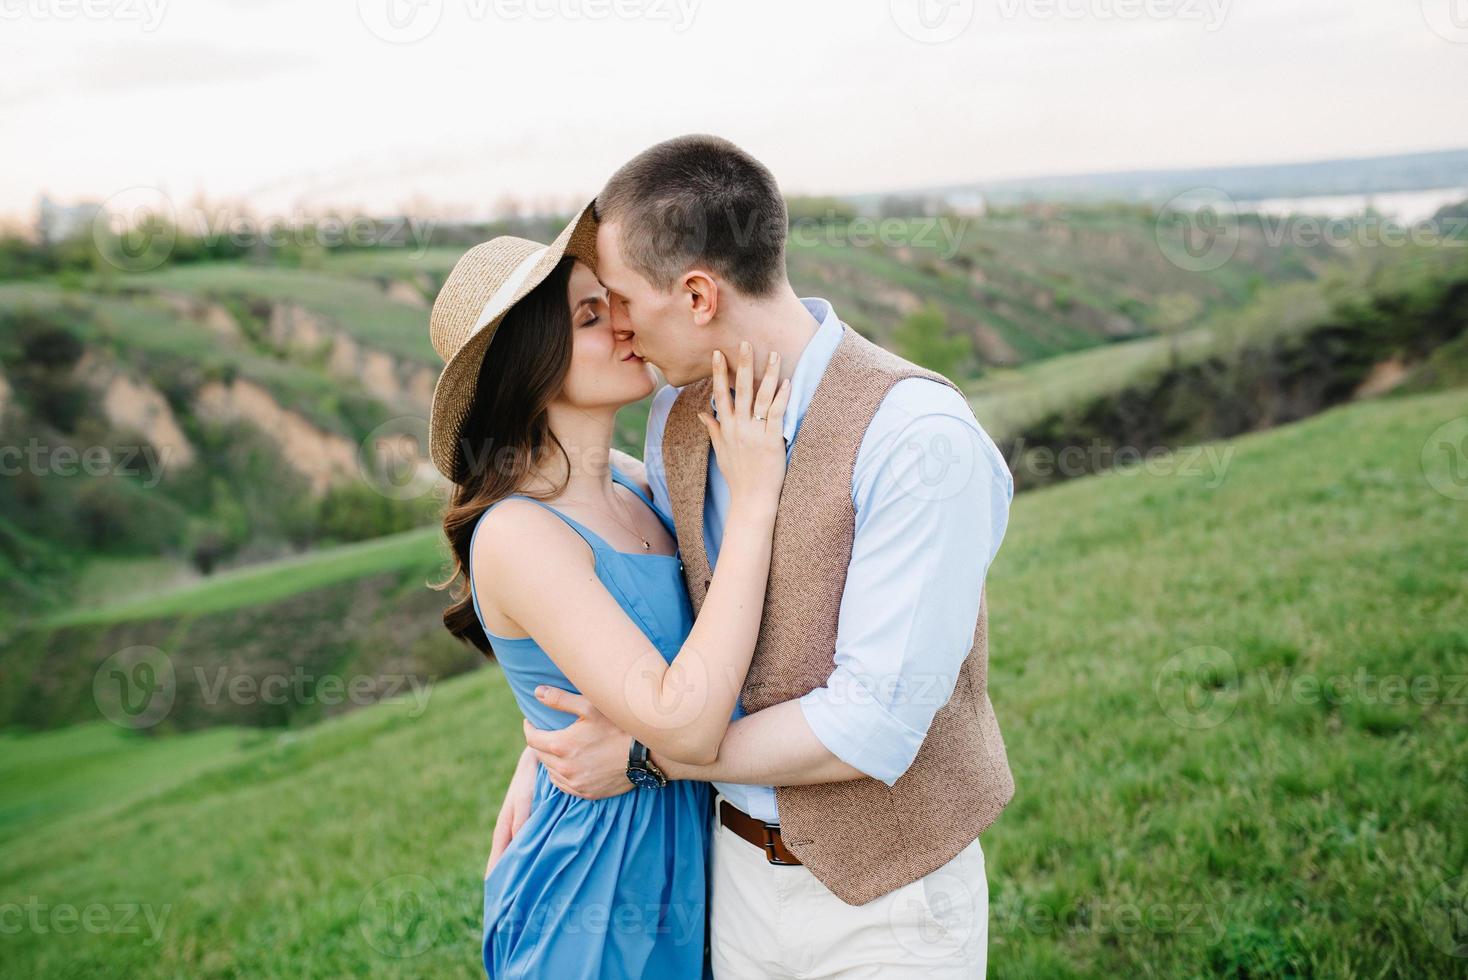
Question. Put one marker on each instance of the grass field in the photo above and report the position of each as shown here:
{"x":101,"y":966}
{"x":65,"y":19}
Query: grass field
{"x":1005,"y":401}
{"x":1010,"y":401}
{"x":354,"y":614}
{"x":1234,"y":702}
{"x":355,"y":305}
{"x":269,"y":581}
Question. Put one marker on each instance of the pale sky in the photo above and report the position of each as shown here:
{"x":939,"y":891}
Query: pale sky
{"x":304,"y":104}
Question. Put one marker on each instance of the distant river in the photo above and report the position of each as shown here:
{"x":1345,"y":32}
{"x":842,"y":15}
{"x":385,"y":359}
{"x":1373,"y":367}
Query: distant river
{"x":1405,"y":207}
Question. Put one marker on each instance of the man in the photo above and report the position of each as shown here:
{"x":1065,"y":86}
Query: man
{"x":865,"y":759}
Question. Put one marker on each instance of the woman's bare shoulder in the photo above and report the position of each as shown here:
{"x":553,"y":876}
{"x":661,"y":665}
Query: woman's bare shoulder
{"x":632,"y":468}
{"x":499,"y":573}
{"x":514,"y":528}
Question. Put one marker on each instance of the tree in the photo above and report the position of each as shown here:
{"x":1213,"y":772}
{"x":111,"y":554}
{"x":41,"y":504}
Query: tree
{"x":1172,"y":314}
{"x":923,"y":338}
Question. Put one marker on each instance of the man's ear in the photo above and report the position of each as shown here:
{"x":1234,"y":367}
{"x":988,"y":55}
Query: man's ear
{"x":702,"y":292}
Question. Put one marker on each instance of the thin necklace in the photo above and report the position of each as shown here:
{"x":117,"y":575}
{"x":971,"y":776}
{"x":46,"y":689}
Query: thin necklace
{"x":646,"y":544}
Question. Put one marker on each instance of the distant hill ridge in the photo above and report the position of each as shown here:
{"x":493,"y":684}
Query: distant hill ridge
{"x":1350,"y":175}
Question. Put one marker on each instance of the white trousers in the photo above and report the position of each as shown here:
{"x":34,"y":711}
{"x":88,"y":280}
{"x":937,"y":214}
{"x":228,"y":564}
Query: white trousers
{"x":771,"y":921}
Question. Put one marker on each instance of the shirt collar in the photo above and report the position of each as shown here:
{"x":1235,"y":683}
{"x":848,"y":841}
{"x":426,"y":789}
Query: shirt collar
{"x":811,"y":366}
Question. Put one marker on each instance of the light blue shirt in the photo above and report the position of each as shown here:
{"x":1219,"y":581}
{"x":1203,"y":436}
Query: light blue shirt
{"x":931,"y":493}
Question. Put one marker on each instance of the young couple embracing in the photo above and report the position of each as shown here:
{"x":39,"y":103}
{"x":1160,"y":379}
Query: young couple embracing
{"x":753,"y":667}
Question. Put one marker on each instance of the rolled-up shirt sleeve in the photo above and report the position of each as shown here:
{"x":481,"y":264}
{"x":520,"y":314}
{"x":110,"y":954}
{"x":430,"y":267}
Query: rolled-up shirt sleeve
{"x":932,"y":494}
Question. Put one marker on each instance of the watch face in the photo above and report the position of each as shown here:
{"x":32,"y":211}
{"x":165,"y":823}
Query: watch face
{"x":643,"y":779}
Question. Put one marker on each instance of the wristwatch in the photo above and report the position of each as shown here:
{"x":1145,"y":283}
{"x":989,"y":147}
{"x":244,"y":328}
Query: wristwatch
{"x":642,"y":772}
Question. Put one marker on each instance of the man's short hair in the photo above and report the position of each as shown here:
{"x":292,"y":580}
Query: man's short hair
{"x":699,"y":201}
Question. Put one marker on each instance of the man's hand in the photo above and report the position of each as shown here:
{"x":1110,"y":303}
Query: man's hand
{"x":588,"y":758}
{"x":515,"y":809}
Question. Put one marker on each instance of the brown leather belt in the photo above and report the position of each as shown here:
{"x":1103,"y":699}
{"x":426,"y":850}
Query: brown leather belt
{"x":762,"y":835}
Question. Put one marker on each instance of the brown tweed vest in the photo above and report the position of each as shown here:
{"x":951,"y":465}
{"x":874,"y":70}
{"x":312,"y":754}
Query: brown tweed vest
{"x":861,"y":838}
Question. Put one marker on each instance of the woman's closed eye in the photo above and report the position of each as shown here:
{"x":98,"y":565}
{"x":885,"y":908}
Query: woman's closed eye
{"x":589,"y":310}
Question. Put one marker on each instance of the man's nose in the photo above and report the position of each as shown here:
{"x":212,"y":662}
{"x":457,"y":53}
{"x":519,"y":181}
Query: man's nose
{"x":620,"y":324}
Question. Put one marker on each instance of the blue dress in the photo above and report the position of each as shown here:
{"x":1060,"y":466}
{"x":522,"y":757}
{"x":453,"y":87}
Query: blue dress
{"x":602,"y":889}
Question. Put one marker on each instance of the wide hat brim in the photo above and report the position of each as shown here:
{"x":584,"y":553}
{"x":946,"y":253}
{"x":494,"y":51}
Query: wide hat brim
{"x":486,"y":282}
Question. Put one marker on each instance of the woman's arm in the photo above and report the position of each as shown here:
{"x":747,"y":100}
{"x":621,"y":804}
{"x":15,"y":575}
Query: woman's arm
{"x":515,"y":810}
{"x":681,"y":709}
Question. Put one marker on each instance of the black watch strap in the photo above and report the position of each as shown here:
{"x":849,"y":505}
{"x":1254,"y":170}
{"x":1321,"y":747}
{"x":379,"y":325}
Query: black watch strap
{"x":641,"y":770}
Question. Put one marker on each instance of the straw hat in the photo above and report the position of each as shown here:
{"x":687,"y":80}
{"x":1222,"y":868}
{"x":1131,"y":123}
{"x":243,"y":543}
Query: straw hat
{"x":486,"y":281}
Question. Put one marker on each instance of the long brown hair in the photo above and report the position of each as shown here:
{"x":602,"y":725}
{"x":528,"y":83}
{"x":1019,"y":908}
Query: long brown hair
{"x":507,"y":433}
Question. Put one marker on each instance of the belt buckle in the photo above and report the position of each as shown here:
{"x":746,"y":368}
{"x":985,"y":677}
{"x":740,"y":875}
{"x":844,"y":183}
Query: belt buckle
{"x":770,"y":830}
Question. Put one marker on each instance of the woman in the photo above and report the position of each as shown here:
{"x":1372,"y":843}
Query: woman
{"x":573,"y":582}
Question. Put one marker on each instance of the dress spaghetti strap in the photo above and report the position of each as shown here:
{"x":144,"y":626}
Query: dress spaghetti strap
{"x":596,"y":541}
{"x":587,"y":534}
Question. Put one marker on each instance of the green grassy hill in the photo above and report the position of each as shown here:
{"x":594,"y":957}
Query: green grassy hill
{"x":1023,"y":284}
{"x":360,"y":612}
{"x":1234,"y":702}
{"x":282,"y":397}
{"x":1390,"y":298}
